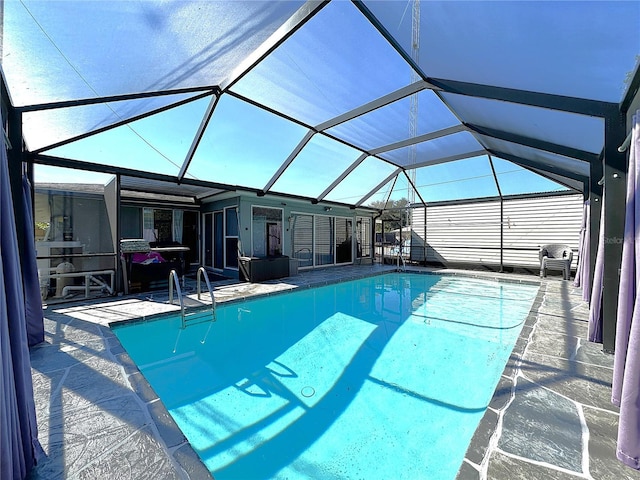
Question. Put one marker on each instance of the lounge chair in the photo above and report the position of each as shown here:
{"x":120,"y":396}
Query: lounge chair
{"x":555,"y":256}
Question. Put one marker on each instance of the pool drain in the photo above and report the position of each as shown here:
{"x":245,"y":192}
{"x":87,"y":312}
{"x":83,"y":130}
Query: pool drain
{"x":308,"y":392}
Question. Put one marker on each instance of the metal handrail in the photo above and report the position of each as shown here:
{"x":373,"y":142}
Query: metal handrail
{"x":203,"y":273}
{"x":400,"y":257}
{"x":173,"y":280}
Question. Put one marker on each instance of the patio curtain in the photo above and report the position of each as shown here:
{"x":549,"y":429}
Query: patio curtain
{"x":18,"y":433}
{"x":595,"y":307}
{"x":33,"y":302}
{"x":626,"y":370}
{"x":582,"y":272}
{"x":178,"y":216}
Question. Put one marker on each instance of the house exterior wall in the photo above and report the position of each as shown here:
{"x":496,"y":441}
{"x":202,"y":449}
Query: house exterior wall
{"x":289,"y":207}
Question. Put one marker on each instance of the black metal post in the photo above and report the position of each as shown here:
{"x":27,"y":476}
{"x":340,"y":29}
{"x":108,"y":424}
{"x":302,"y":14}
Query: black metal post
{"x":119,"y":287}
{"x":15,"y":158}
{"x":426,"y":252}
{"x":615,"y":174}
{"x":495,"y":178}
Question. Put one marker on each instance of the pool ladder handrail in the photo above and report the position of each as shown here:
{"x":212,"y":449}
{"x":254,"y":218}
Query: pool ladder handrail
{"x":202,"y":273}
{"x":401,"y":259}
{"x":174,"y":281}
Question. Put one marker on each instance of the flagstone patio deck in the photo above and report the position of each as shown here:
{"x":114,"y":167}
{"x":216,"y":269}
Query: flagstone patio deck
{"x":550,"y":417}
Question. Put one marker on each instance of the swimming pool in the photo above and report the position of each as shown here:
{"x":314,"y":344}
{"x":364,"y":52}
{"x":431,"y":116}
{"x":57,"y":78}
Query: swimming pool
{"x":383,"y":377}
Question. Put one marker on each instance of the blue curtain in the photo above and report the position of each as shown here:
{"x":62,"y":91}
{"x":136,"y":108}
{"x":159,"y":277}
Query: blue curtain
{"x":18,"y":431}
{"x":626,"y":365}
{"x":595,"y":307}
{"x":33,"y":302}
{"x":582,"y":273}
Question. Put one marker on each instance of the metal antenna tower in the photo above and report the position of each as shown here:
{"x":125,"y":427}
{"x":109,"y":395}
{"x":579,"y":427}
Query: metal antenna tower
{"x":413,"y":110}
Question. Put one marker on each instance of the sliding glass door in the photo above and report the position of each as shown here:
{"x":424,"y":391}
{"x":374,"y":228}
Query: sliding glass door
{"x":214,"y":240}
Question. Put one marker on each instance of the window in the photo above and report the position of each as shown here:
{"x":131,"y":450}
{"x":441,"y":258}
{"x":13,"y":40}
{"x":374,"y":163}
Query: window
{"x":266,"y":230}
{"x":363,"y":233}
{"x":157,"y":225}
{"x":131,"y":222}
{"x":324,"y":240}
{"x":344,"y":236}
{"x":73,"y":223}
{"x":302,"y":239}
{"x":213,"y":245}
{"x":163,"y":227}
{"x":231,"y":237}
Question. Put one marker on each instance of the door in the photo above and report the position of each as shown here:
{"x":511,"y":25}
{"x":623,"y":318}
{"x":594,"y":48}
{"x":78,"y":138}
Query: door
{"x":218,"y":240}
{"x":207,"y":243}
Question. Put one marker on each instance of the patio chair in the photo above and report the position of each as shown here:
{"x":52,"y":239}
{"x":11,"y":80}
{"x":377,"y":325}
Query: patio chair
{"x":555,"y":256}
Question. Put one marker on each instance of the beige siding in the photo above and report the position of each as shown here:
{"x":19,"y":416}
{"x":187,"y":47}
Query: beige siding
{"x":470,"y":233}
{"x":530,"y":223}
{"x":466,"y":233}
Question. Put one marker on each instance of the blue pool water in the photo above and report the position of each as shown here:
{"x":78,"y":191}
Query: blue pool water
{"x":384,"y":377}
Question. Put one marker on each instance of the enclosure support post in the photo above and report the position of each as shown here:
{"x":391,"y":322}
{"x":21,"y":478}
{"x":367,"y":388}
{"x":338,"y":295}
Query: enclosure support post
{"x":118,"y":236}
{"x":495,"y":178}
{"x":424,"y":243}
{"x":15,"y":159}
{"x":615,"y":175}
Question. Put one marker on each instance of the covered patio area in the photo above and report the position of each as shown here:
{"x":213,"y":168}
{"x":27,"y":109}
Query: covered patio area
{"x":296,"y":132}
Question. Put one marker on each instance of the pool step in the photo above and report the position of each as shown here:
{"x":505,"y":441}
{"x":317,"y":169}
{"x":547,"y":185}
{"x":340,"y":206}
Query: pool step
{"x":202,"y":316}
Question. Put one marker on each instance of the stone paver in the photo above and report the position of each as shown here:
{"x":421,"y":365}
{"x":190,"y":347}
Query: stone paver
{"x":542,"y":426}
{"x":559,"y":422}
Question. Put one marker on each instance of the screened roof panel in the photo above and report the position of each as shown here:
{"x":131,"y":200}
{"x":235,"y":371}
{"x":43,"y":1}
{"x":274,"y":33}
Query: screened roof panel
{"x":47,"y":127}
{"x":462,"y":179}
{"x":381,"y":196}
{"x":121,"y":147}
{"x":569,"y":182}
{"x":316,"y":166}
{"x":577,"y":131}
{"x":68,"y":49}
{"x":337,"y":62}
{"x":545,"y":160}
{"x":456,"y":144}
{"x":513,"y":179}
{"x":369,"y":174}
{"x":391,"y":123}
{"x":401,"y":188}
{"x":158,"y":143}
{"x":336,"y":67}
{"x":244,"y":145}
{"x":580,"y":49}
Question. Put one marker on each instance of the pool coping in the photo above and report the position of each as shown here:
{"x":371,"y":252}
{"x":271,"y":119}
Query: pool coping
{"x":294,"y":288}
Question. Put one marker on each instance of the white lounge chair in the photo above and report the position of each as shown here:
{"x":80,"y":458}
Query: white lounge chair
{"x":555,"y":256}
